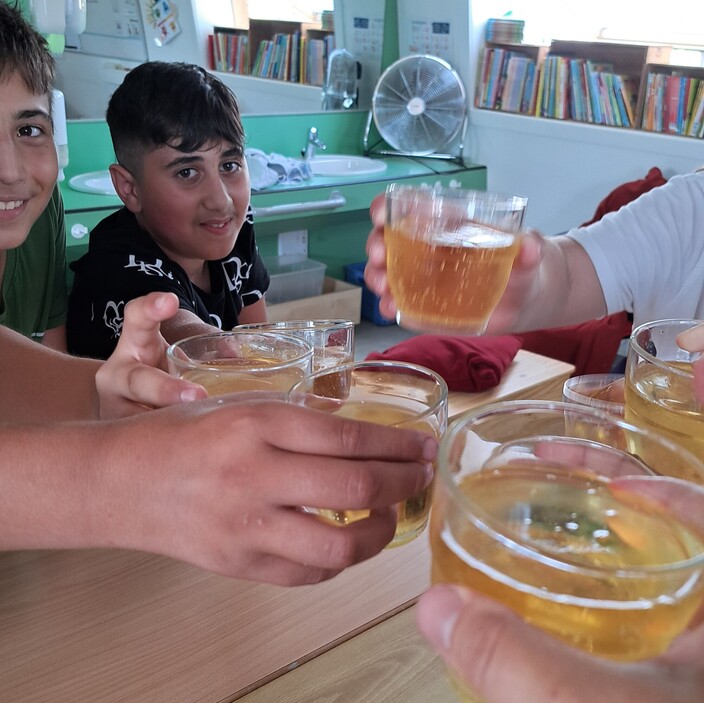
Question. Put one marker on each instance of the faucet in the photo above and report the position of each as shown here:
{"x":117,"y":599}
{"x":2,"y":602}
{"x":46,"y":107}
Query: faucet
{"x":312,"y":144}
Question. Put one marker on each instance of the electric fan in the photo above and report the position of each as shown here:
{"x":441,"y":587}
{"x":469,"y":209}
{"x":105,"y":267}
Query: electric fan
{"x":419,"y":108}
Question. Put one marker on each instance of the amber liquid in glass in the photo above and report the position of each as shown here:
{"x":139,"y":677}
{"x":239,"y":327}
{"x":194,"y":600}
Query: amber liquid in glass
{"x":663,"y":403}
{"x":412,"y":514}
{"x":450,"y":279}
{"x":576,"y":517}
{"x":243,"y":374}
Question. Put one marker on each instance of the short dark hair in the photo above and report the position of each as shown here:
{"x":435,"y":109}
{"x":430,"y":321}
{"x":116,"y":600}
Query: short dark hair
{"x":23,"y":50}
{"x":176,"y":104}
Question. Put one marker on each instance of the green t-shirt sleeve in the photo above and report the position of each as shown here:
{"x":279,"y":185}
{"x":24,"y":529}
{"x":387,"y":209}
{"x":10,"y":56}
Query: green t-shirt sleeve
{"x":59,"y":297}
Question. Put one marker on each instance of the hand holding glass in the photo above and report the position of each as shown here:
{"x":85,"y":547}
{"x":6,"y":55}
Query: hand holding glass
{"x":449,"y":255}
{"x":538,"y":519}
{"x":387,"y":393}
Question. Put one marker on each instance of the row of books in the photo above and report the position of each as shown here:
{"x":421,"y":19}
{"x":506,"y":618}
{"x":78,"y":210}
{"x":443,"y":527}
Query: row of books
{"x":506,"y":80}
{"x":585,"y":91}
{"x":230,"y":51}
{"x":288,"y":57}
{"x":562,"y":88}
{"x":674,"y":104}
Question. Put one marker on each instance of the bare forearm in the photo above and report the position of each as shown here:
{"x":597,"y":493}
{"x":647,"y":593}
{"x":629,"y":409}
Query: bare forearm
{"x":562,"y":290}
{"x":256,"y":312}
{"x":48,"y":477}
{"x":37,"y":383}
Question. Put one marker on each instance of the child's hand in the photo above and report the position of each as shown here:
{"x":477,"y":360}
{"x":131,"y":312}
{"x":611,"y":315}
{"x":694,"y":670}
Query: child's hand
{"x":522,"y":288}
{"x":219,"y":484}
{"x":375,"y":271}
{"x":134,"y":378}
{"x":693,"y":341}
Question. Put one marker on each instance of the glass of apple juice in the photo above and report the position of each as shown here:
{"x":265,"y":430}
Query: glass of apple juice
{"x":391,"y":393}
{"x":565,"y":530}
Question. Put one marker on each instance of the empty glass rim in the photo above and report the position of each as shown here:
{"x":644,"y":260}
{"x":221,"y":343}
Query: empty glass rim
{"x":394,"y":190}
{"x":684,"y":323}
{"x":481,"y":520}
{"x":173,"y":350}
{"x":311,"y":325}
{"x":572,"y":393}
{"x":351,"y":366}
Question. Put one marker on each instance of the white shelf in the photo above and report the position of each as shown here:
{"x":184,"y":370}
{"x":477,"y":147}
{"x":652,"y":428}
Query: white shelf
{"x":258,"y":96}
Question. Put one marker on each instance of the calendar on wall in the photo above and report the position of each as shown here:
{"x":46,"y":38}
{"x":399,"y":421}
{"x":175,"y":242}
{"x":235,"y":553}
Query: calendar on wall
{"x":440,"y":29}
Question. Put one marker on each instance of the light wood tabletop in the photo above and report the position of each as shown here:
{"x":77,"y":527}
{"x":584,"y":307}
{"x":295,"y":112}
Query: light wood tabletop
{"x":109,"y":626}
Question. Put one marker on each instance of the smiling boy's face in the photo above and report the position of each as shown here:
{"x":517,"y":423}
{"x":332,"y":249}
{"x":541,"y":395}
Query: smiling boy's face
{"x":28,"y":162}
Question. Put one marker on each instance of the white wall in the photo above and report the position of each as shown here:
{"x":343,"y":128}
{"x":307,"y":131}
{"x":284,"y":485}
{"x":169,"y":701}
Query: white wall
{"x":564,"y":168}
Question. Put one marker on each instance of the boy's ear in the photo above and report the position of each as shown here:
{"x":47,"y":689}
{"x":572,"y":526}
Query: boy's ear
{"x":126,"y":187}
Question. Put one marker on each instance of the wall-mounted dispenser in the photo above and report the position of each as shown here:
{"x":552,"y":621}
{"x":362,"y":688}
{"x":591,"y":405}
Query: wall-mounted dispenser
{"x":58,"y":16}
{"x":58,"y":115}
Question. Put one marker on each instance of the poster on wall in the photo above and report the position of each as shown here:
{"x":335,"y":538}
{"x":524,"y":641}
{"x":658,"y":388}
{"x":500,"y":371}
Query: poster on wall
{"x":113,"y":28}
{"x":442,"y":31}
{"x":163,"y":19}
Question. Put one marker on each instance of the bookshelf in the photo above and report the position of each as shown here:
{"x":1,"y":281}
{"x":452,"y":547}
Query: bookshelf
{"x":671,"y":100}
{"x":279,"y":50}
{"x":620,"y":85}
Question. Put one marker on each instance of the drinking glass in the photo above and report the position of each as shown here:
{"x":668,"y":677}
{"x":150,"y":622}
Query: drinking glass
{"x":660,"y":386}
{"x":604,"y":391}
{"x":526,"y":513}
{"x":227,"y":362}
{"x":387,"y":393}
{"x":449,"y":255}
{"x":332,"y":340}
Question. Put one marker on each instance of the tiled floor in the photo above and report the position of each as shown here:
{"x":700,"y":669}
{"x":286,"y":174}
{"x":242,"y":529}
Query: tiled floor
{"x":369,"y":337}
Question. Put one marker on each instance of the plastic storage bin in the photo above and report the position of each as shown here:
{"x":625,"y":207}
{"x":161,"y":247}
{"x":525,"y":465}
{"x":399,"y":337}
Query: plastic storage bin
{"x":354,"y":273}
{"x":293,"y":277}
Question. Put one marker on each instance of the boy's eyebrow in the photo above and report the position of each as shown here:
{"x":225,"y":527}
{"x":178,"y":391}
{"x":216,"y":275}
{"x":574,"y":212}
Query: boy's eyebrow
{"x":32,"y":114}
{"x":233,"y":151}
{"x":184,"y":160}
{"x":188,"y":159}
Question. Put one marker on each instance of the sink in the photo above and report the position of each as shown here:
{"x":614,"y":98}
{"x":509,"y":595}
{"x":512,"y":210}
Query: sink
{"x":96,"y":182}
{"x":344,"y":165}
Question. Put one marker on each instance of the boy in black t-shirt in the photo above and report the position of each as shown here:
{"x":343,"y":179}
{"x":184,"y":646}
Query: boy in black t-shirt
{"x":187,"y":223}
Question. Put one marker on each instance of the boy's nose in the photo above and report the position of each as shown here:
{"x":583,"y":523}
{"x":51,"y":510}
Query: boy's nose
{"x":11,"y":164}
{"x":217,"y":196}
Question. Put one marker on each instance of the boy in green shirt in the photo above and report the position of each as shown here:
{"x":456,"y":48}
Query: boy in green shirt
{"x":32,"y":238}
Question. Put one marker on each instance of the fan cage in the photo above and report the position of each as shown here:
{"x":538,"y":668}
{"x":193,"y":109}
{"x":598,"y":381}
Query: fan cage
{"x":419,"y":107}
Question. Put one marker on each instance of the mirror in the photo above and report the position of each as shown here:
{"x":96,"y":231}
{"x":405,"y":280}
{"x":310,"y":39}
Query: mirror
{"x":120,"y":34}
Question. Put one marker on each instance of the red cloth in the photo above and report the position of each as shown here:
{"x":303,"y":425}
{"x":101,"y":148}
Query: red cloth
{"x":626,"y":192}
{"x":468,"y":364}
{"x":591,"y":346}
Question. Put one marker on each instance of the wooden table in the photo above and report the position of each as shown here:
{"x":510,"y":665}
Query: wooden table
{"x":109,"y":626}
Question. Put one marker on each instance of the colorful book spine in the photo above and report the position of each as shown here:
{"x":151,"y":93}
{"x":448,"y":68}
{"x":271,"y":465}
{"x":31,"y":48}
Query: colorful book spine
{"x":697,"y":119}
{"x":594,"y":93}
{"x":529,"y":89}
{"x":624,"y":119}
